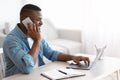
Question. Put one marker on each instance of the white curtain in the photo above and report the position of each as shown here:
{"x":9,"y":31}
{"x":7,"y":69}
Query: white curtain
{"x":101,"y":27}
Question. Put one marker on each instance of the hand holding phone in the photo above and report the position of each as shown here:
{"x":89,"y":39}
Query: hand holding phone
{"x":26,"y":21}
{"x":35,"y":35}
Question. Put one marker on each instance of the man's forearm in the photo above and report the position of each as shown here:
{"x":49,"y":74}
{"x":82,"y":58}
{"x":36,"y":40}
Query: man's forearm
{"x":76,"y":59}
{"x":65,"y":57}
{"x":34,"y":50}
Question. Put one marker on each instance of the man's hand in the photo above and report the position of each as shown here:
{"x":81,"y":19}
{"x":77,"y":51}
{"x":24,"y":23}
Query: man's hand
{"x":33,"y":32}
{"x":77,"y":59}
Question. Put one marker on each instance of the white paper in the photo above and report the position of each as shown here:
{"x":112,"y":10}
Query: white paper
{"x":55,"y":74}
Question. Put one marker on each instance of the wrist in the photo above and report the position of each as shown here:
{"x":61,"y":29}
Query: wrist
{"x":72,"y":57}
{"x":37,"y":41}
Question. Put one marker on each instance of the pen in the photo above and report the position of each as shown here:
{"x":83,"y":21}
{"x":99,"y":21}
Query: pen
{"x":62,"y":72}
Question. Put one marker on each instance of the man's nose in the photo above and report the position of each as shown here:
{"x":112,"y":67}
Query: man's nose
{"x":39,"y":23}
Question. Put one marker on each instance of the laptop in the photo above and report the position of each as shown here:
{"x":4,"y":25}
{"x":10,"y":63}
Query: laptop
{"x":83,"y":66}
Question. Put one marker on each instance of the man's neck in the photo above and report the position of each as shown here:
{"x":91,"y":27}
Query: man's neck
{"x":22,"y":28}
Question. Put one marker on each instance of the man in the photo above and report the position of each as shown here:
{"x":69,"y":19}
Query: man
{"x":20,"y":58}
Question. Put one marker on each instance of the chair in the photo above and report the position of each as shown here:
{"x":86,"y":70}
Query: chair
{"x":2,"y":64}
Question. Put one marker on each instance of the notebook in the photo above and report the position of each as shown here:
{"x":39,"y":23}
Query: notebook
{"x":82,"y":66}
{"x":58,"y":74}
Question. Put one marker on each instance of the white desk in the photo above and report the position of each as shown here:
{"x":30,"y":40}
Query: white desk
{"x":100,"y":70}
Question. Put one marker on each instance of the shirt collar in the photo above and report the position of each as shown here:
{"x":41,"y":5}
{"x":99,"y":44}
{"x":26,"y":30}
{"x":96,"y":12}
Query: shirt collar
{"x":20,"y":32}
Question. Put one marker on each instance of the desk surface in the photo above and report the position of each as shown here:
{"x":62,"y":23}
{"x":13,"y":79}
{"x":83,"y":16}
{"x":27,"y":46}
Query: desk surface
{"x":100,"y":70}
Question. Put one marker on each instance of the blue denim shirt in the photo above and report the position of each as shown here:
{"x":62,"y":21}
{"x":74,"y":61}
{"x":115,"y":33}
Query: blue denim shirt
{"x":16,"y":52}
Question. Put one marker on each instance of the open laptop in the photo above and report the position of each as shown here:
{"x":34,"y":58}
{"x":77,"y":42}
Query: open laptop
{"x":83,"y":66}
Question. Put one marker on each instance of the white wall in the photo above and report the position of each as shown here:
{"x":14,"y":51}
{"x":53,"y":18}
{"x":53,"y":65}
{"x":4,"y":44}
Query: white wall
{"x":9,"y":12}
{"x":64,"y":13}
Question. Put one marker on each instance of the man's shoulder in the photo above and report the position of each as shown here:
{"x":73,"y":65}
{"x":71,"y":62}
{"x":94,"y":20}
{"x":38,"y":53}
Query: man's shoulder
{"x":11,"y":37}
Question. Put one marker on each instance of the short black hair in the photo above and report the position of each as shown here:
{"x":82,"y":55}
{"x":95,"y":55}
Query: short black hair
{"x":29,"y":7}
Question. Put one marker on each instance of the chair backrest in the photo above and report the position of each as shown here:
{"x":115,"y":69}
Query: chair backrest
{"x":2,"y":37}
{"x":2,"y":64}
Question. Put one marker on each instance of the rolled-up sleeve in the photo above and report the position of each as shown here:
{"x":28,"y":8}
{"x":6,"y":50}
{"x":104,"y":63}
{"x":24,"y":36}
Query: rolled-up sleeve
{"x":49,"y":52}
{"x":20,"y":57}
{"x":28,"y":60}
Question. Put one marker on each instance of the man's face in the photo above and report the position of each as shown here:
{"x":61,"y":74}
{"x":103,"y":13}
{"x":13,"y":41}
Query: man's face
{"x":36,"y":18}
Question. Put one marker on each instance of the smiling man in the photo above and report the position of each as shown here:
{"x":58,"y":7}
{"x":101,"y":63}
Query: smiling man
{"x":19,"y":56}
